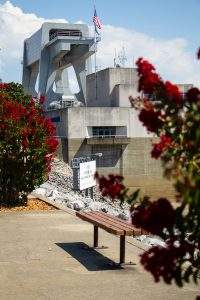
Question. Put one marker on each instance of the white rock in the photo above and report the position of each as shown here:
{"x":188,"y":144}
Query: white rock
{"x":95,"y":206}
{"x":123,"y":216}
{"x":151,"y":241}
{"x":78,"y":205}
{"x":70,"y":205}
{"x":40,"y":191}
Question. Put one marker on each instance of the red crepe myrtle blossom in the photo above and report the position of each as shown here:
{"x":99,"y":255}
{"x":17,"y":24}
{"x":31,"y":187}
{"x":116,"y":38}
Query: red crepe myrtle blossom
{"x":173,"y":93}
{"x":4,"y":86}
{"x":162,"y":261}
{"x":166,"y":142}
{"x":151,"y":83}
{"x":25,"y":144}
{"x":147,"y":76}
{"x":157,"y":150}
{"x":154,"y":216}
{"x":150,"y":119}
{"x":42,"y":98}
{"x":111,"y":186}
{"x":193,"y":95}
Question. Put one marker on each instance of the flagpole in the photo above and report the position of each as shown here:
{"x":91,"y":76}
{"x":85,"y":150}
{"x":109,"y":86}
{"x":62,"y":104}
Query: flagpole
{"x":95,"y":59}
{"x":96,"y":24}
{"x":95,"y":63}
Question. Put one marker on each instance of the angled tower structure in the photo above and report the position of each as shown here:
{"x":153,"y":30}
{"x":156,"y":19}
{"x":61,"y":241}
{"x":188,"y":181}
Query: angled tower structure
{"x":49,"y":53}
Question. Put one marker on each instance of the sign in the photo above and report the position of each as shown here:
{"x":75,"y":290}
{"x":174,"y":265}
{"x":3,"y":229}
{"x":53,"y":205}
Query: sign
{"x":87,"y":171}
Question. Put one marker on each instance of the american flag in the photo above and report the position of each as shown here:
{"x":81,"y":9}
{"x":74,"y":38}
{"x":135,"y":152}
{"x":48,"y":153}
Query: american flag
{"x":96,"y":20}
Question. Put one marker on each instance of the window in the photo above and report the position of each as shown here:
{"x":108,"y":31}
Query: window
{"x":104,"y":131}
{"x":64,"y":32}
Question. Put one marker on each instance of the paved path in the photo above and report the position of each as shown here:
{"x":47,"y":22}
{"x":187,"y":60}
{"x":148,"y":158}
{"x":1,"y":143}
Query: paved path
{"x":42,"y":256}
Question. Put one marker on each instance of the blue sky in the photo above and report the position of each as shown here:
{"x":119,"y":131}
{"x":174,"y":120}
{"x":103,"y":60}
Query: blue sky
{"x":158,"y":18}
{"x":166,"y":32}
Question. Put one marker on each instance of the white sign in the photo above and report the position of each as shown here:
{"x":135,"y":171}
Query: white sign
{"x":87,"y":171}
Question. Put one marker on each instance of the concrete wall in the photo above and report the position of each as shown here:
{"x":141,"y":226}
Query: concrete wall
{"x":129,"y":157}
{"x":61,"y":121}
{"x":114,"y":86}
{"x":122,"y":93}
{"x":34,"y":46}
{"x":133,"y":161}
{"x":82,"y":118}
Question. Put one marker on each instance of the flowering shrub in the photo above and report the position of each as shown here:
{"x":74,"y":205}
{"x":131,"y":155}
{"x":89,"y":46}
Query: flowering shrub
{"x":111,"y":186}
{"x":26,"y":144}
{"x":176,"y":122}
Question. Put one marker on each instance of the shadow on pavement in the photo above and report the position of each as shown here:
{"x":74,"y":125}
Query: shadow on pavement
{"x":88,"y":257}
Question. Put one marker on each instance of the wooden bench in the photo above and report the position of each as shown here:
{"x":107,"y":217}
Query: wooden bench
{"x":112,"y":225}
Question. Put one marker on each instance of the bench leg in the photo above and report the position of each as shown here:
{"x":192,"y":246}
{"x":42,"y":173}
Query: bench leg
{"x":96,"y":236}
{"x":122,"y":249}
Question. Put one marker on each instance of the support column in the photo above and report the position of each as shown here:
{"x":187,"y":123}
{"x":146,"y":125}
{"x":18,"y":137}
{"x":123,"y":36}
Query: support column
{"x":122,"y":249}
{"x":96,"y":236}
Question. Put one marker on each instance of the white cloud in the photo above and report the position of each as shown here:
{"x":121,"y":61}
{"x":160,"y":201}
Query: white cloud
{"x":172,"y":58}
{"x":15,"y":27}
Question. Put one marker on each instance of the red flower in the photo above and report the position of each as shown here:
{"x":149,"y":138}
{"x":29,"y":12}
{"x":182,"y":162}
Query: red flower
{"x":162,"y":261}
{"x":32,"y":102}
{"x":153,"y":217}
{"x":37,"y":143}
{"x":193,"y":95}
{"x":166,"y":142}
{"x":42,"y":98}
{"x":25,"y":144}
{"x":111,"y":186}
{"x":157,"y":150}
{"x":148,"y":79}
{"x":6,"y":86}
{"x":173,"y":93}
{"x":52,"y":144}
{"x":150,"y":119}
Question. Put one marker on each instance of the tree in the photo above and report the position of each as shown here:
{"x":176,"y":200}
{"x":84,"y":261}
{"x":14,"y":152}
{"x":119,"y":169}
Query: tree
{"x":26,"y":144}
{"x":176,"y":122}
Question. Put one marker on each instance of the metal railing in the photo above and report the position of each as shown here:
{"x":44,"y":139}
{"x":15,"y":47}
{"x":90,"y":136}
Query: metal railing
{"x":75,"y":33}
{"x":107,"y":136}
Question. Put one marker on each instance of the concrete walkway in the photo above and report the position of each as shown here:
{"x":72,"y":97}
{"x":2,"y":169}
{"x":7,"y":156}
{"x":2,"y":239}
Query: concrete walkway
{"x":42,"y":256}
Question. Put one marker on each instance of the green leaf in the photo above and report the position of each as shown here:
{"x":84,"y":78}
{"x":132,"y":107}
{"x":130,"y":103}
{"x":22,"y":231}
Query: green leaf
{"x":133,"y":197}
{"x":196,"y":276}
{"x":178,"y":277}
{"x":188,"y":273}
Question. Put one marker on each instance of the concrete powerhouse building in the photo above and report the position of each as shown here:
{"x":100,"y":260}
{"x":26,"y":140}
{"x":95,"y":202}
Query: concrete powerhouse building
{"x":109,"y":125}
{"x":104,"y":122}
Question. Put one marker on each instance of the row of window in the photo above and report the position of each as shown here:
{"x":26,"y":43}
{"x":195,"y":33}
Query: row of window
{"x":104,"y":131}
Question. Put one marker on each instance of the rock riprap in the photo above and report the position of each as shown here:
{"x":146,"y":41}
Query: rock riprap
{"x":58,"y":188}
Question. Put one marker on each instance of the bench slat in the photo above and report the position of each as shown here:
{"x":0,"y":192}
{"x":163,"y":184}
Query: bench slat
{"x":92,"y":219}
{"x":115,"y":220}
{"x":103,"y":217}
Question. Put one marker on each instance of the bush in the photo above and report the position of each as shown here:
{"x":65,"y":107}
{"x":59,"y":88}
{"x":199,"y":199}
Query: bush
{"x":26,"y":144}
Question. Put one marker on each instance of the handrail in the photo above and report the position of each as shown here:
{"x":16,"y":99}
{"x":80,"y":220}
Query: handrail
{"x":107,"y":136}
{"x":65,"y":33}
